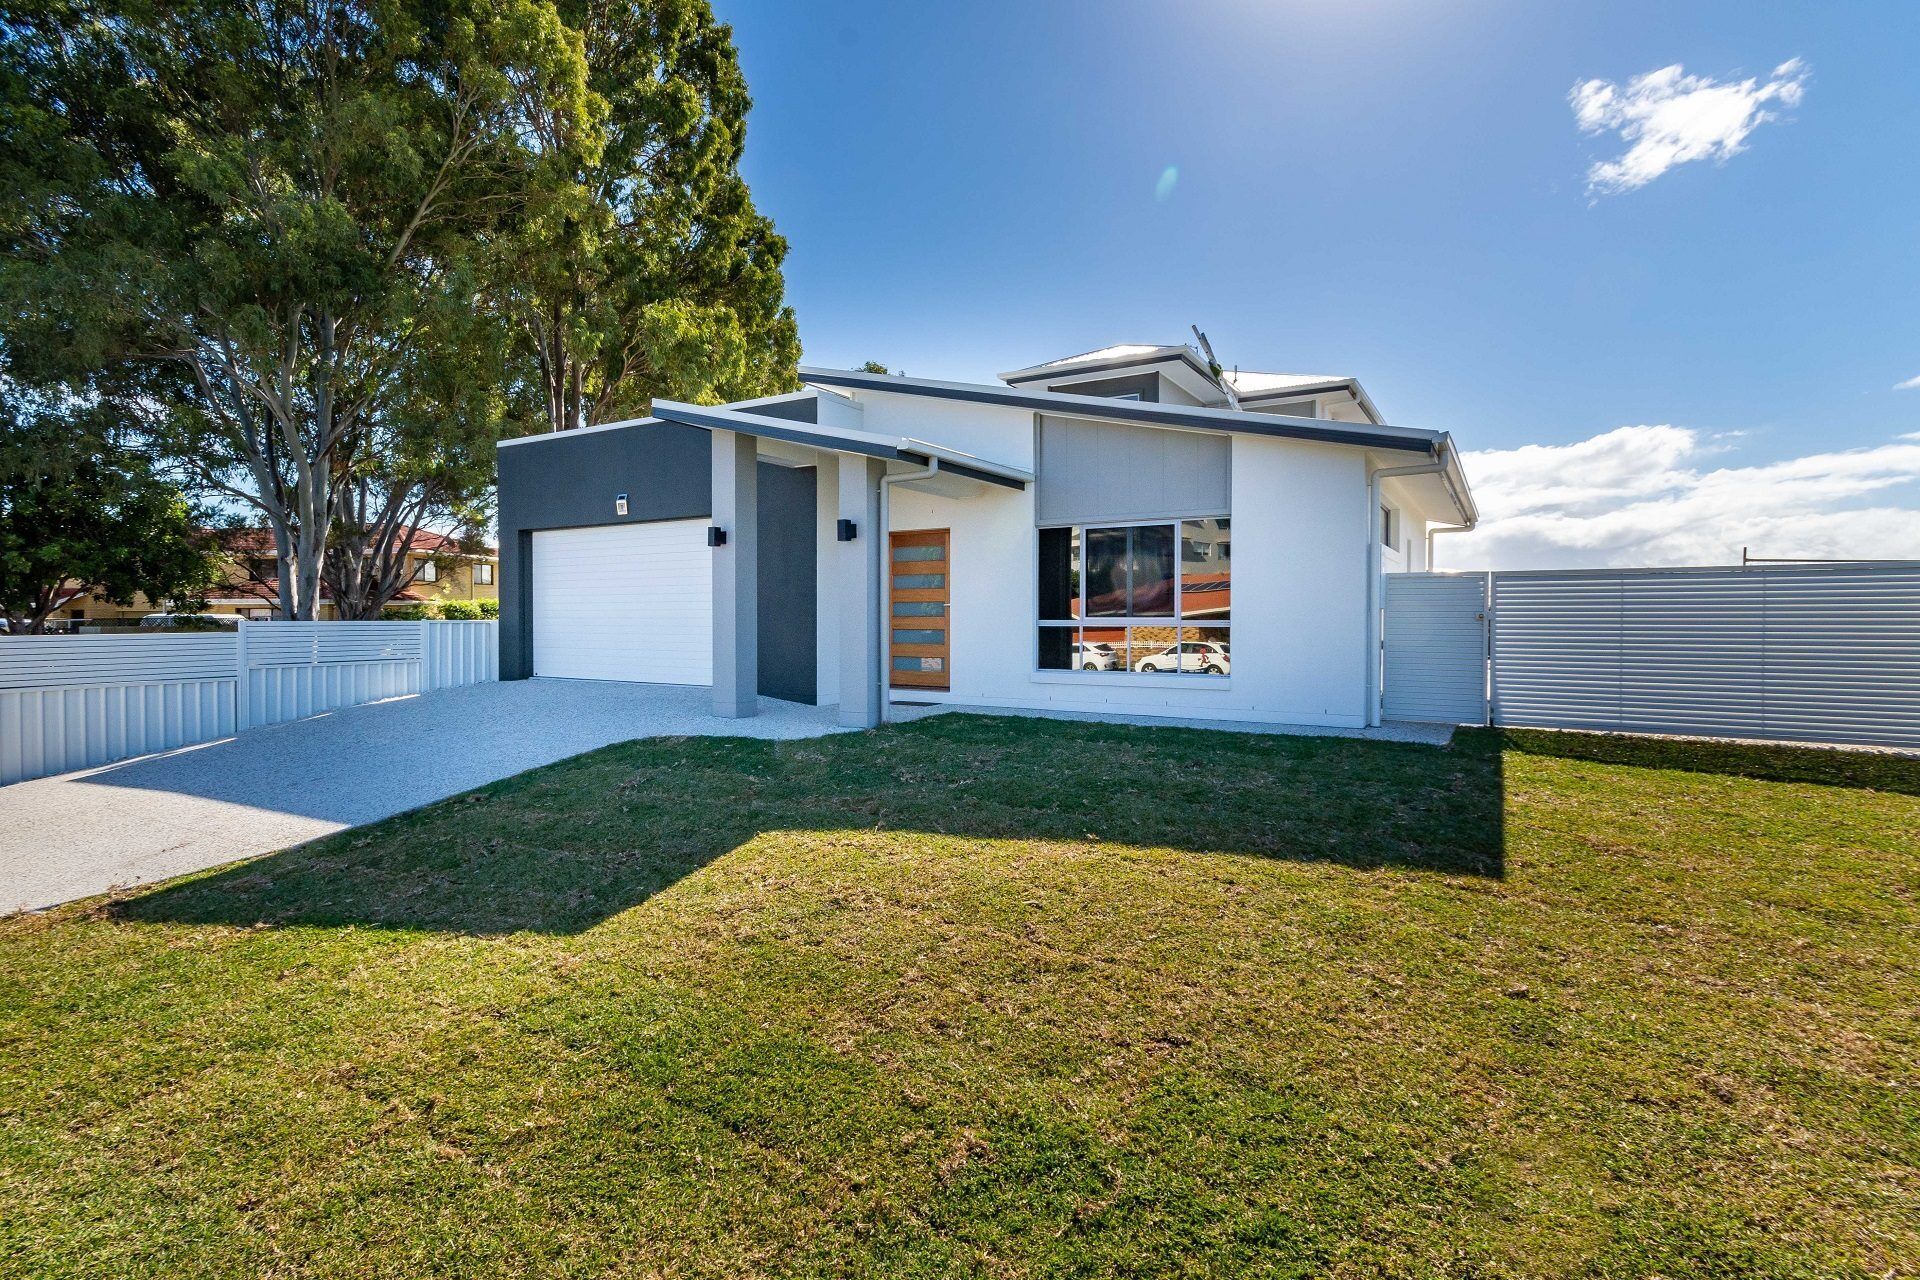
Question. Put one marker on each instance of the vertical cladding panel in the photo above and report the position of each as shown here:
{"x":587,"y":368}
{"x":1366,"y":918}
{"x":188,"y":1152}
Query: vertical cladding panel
{"x":12,"y":737}
{"x":1812,"y":653}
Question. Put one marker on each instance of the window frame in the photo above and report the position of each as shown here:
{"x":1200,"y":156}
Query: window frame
{"x":483,"y":567}
{"x":427,"y":571}
{"x":1174,"y":621}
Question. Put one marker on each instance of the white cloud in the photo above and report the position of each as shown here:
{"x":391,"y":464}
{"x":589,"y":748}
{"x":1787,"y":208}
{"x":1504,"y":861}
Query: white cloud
{"x":1911,"y":384}
{"x":1649,"y":495}
{"x":1668,"y":117}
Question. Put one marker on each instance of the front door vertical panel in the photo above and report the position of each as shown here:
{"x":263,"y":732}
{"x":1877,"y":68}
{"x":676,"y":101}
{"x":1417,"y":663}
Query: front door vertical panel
{"x":919,"y":595}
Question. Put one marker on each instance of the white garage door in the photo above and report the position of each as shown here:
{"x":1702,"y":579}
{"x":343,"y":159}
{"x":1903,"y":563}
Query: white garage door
{"x":624,"y":602}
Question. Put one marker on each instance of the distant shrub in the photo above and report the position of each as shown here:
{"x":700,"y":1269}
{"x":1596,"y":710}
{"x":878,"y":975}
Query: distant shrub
{"x":460,"y":610}
{"x":489,"y":609}
{"x":411,"y":612}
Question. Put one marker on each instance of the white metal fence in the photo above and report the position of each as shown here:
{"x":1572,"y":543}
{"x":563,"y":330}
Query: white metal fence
{"x":1812,"y":653}
{"x":73,"y":702}
{"x":1435,"y":633}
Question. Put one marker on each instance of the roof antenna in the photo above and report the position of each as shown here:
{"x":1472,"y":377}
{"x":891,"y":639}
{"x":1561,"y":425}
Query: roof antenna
{"x":1219,"y":374}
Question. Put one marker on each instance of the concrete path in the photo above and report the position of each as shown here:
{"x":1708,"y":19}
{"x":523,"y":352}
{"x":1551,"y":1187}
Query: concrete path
{"x":1432,"y":735}
{"x":142,"y":820}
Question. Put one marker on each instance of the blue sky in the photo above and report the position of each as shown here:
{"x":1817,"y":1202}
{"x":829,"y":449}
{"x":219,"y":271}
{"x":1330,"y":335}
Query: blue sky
{"x":1400,"y":191}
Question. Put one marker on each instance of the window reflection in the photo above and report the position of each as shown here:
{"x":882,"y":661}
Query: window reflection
{"x":1127,"y":577}
{"x":1151,"y":562}
{"x":1205,"y":569}
{"x":1106,"y":573}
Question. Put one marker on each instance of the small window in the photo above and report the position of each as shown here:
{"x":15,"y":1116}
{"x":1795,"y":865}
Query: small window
{"x":429,"y":572}
{"x":483,"y":574}
{"x":1386,"y":525}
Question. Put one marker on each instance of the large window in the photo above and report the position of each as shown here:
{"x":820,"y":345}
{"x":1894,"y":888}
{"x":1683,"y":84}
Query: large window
{"x":1153,"y":598}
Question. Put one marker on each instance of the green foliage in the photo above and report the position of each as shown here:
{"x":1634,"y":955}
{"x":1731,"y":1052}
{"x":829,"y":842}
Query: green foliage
{"x":259,"y":230}
{"x":327,"y":254}
{"x":874,"y":366}
{"x":101,"y":522}
{"x":642,"y":267}
{"x":448,"y":610}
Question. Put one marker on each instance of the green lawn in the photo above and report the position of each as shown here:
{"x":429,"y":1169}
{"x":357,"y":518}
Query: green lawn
{"x":1006,"y":997}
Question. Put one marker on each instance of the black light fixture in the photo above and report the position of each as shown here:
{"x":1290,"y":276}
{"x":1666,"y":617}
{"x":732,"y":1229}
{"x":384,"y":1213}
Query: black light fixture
{"x":847,"y":530}
{"x":716,"y":536}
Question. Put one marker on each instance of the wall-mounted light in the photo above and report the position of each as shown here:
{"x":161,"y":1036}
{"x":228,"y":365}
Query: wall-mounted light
{"x":716,"y":536}
{"x":619,"y":504}
{"x":847,"y":530}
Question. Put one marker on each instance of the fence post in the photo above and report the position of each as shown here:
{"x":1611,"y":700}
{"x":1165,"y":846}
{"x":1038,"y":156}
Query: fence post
{"x":428,"y":676}
{"x":242,"y":685}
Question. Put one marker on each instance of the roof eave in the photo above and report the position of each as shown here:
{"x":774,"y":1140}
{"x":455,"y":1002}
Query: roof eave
{"x":892,"y":449}
{"x":1364,"y":435}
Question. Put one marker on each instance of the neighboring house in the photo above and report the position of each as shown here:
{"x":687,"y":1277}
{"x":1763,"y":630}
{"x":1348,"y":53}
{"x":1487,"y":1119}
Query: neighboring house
{"x":249,"y":586}
{"x":1097,"y":534}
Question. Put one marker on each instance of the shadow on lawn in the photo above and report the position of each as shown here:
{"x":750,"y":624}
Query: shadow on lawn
{"x":1819,"y":766}
{"x":559,"y":849}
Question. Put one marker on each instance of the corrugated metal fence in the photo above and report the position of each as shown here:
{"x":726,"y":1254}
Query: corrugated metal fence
{"x":1812,"y":653}
{"x":73,"y":702}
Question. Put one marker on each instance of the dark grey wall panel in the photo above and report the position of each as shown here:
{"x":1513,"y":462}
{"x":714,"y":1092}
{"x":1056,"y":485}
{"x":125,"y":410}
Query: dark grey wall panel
{"x":569,"y":480}
{"x":788,"y":598}
{"x":1146,"y":385}
{"x":799,"y":409}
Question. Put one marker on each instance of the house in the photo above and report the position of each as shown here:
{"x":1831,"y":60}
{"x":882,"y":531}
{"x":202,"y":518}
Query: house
{"x":249,"y":581}
{"x":1101,"y":533}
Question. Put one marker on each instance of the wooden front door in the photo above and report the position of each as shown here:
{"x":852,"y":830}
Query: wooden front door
{"x":918,"y":593}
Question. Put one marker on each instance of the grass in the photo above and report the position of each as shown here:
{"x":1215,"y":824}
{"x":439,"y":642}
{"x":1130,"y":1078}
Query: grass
{"x":1006,"y":998}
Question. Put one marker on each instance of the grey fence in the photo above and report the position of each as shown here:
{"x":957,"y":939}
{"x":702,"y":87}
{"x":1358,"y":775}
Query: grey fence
{"x":73,"y":702}
{"x":1813,"y":653}
{"x":1435,"y":633}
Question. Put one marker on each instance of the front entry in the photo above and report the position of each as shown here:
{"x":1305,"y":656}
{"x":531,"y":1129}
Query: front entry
{"x":917,"y":606}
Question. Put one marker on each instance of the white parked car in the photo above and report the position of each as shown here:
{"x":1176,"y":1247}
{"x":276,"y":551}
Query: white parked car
{"x":1207,"y":658}
{"x":1095,"y":656}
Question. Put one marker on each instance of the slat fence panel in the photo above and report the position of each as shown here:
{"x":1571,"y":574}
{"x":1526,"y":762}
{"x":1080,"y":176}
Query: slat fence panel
{"x":1799,"y":653}
{"x":75,"y":702}
{"x":1436,"y":648}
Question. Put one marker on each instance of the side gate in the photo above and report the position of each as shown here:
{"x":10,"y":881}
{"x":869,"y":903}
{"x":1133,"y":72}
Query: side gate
{"x":1435,"y":638}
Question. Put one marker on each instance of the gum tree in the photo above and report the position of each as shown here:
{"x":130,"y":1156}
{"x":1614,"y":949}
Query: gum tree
{"x":256,"y":227}
{"x":643,"y":267}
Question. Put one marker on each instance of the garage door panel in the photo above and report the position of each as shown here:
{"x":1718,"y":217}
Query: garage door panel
{"x":624,"y":602}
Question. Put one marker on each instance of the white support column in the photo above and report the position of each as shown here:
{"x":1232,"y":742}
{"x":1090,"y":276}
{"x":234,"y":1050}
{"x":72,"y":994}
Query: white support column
{"x":243,"y":680}
{"x":857,"y":599}
{"x":736,"y":575}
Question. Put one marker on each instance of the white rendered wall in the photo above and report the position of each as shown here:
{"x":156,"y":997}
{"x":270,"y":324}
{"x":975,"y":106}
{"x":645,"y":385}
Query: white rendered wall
{"x":1410,"y":553}
{"x":1299,"y":590}
{"x":995,"y":433}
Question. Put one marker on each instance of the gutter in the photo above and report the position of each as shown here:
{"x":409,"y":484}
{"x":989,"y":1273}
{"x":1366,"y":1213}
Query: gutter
{"x":1366,"y":435}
